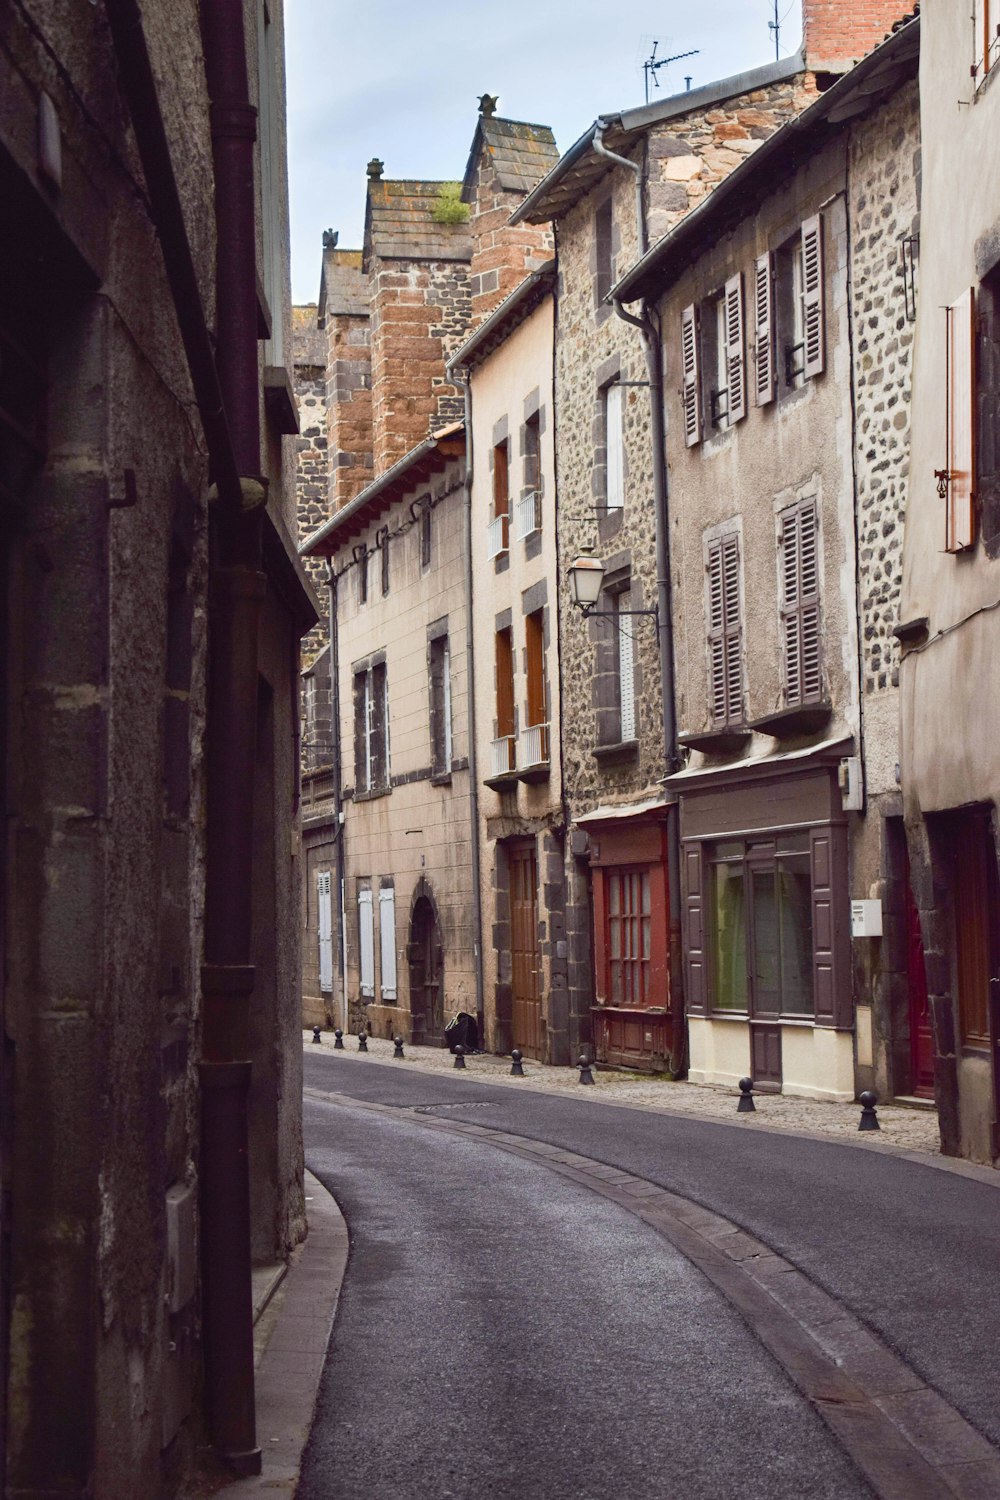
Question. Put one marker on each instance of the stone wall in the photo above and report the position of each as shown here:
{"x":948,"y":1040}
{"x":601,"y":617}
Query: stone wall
{"x":502,"y":254}
{"x":312,"y":458}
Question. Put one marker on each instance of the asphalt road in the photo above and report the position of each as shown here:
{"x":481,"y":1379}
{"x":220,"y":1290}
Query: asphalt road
{"x":503,"y":1332}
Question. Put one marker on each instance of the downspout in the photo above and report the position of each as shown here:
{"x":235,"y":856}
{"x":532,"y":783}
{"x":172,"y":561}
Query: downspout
{"x":229,"y":418}
{"x":334,"y":604}
{"x":462,"y":378}
{"x":640,"y":175}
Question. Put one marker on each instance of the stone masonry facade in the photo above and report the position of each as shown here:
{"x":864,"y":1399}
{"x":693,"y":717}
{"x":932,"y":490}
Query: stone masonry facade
{"x":312,"y":471}
{"x":502,"y":254}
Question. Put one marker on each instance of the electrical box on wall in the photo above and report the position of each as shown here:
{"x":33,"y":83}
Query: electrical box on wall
{"x":866,"y":919}
{"x":849,"y":779}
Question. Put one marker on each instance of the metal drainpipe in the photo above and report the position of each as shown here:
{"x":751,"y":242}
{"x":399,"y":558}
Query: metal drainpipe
{"x":333,"y":598}
{"x":640,"y":173}
{"x":462,"y":378}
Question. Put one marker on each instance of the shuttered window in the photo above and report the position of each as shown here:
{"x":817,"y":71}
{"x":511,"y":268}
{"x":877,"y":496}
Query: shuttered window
{"x":735,"y":349}
{"x":725,"y":631}
{"x":371,"y":729}
{"x":324,"y":924}
{"x":690,"y":376}
{"x":626,"y":665}
{"x":387,"y":940}
{"x":366,"y":943}
{"x":960,"y":397}
{"x":440,"y":704}
{"x":504,"y":683}
{"x":800,"y":610}
{"x":765,"y":369}
{"x":534,"y":641}
{"x":614,"y":491}
{"x":813,"y":319}
{"x":989,"y":41}
{"x":501,"y":481}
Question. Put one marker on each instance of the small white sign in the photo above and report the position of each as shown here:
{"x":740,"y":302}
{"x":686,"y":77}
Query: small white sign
{"x":866,"y":919}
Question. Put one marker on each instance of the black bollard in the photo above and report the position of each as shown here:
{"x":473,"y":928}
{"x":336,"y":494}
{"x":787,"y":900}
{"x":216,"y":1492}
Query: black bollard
{"x":869,"y":1119}
{"x":362,"y":1041}
{"x":398,"y":1044}
{"x":516,"y":1070}
{"x":338,"y":1040}
{"x":586,"y":1076}
{"x":459,"y":1055}
{"x":316,"y":1040}
{"x":746,"y":1105}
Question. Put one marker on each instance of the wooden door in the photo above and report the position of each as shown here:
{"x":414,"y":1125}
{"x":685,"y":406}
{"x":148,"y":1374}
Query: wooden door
{"x":426,"y":963}
{"x":526,"y":999}
{"x":765,"y":978}
{"x":921,"y":1038}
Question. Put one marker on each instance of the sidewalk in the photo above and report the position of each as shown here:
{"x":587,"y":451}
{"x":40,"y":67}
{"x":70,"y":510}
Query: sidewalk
{"x":903,"y":1127}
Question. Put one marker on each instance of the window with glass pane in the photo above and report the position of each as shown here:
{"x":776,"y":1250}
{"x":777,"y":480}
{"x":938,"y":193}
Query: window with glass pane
{"x":628,"y":936}
{"x":761,"y":905}
{"x":729,"y":935}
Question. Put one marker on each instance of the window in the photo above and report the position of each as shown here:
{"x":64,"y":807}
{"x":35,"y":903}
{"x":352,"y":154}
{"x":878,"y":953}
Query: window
{"x":690,"y":376}
{"x":976,"y":903}
{"x":761,"y":926}
{"x":503,"y":749}
{"x":385,"y":562}
{"x":988,"y":37}
{"x":765,"y":367}
{"x":366,"y":943}
{"x":324,"y":924}
{"x":309,"y":721}
{"x":371,"y":729}
{"x":614,"y":459}
{"x":425,"y":534}
{"x":529,"y":508}
{"x":361,"y":558}
{"x":800,"y":612}
{"x":628,"y":936}
{"x":800,"y":304}
{"x":603,"y":256}
{"x":725,"y":631}
{"x":725,"y":356}
{"x":387,"y":940}
{"x":498,"y":534}
{"x":621,"y":602}
{"x":959,"y":475}
{"x":440,"y":705}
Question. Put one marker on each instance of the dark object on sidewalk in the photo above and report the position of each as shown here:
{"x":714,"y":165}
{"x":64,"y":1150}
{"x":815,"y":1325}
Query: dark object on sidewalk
{"x":338,"y":1040}
{"x":459,"y":1051}
{"x":516,"y":1071}
{"x":316,"y":1040}
{"x":362,"y":1041}
{"x":462,"y":1029}
{"x":398,"y":1044}
{"x":586,"y":1076}
{"x":746,"y":1105}
{"x":869,"y":1119}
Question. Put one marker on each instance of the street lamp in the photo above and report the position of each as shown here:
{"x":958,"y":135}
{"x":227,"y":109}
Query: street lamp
{"x":586,"y":578}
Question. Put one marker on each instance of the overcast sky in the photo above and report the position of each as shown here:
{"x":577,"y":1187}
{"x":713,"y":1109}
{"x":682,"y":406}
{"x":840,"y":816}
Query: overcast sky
{"x":399,"y":80}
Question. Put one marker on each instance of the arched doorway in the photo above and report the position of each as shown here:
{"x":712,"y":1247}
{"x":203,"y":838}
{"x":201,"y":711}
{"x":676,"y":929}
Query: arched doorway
{"x":426,"y":957}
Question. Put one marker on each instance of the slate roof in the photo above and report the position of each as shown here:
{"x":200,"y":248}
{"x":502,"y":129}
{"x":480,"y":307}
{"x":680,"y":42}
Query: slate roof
{"x":400,"y":223}
{"x":522,"y":154}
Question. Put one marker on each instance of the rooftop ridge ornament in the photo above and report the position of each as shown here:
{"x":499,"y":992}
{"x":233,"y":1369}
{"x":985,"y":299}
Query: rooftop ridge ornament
{"x":488,"y":105}
{"x":375,"y":168}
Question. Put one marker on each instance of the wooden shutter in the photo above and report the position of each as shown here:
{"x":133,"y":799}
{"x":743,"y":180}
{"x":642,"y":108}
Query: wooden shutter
{"x":813,"y":318}
{"x":501,"y":481}
{"x":626,"y":669}
{"x":694,"y":937}
{"x":690,"y":376}
{"x":831,"y":957}
{"x":387,"y":940}
{"x":534,"y":639}
{"x":990,"y":36}
{"x":725,"y":642}
{"x":614,"y":489}
{"x":361,"y":767}
{"x":436,"y":701}
{"x":366,"y":943}
{"x":960,"y":398}
{"x":505,"y":684}
{"x":324,"y":924}
{"x":800,"y":612}
{"x":736,"y":350}
{"x":765,"y":372}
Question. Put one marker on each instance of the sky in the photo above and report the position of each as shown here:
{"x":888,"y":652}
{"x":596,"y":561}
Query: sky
{"x":401,"y":81}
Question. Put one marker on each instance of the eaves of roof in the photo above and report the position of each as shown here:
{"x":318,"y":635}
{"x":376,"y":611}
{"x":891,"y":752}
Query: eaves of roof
{"x":431,"y":456}
{"x":522,"y":153}
{"x":502,"y":321}
{"x":888,"y":65}
{"x":582,"y":167}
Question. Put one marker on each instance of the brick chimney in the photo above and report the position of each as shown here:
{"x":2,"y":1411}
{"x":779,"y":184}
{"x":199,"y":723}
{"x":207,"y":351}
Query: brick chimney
{"x":836,"y":33}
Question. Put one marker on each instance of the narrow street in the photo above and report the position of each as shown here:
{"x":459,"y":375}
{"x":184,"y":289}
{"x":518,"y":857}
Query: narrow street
{"x":506,"y":1331}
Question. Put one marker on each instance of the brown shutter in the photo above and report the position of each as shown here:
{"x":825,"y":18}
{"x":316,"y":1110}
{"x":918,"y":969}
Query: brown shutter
{"x":960,"y":522}
{"x":736,"y":352}
{"x":716,"y":636}
{"x":725,"y":630}
{"x":505,"y":684}
{"x":812,"y":296}
{"x":800,"y":608}
{"x":501,"y":481}
{"x":765,"y":377}
{"x":694,"y":930}
{"x":535,"y":654}
{"x":831,"y":968}
{"x":690,"y":376}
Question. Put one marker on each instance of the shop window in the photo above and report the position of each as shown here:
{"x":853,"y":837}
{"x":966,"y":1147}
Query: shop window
{"x":798,"y":547}
{"x":628,"y":936}
{"x":760,"y":909}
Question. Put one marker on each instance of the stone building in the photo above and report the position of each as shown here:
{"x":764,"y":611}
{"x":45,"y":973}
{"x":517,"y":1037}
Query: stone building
{"x":152,"y":604}
{"x":948,"y":627}
{"x":785,"y":317}
{"x":507,"y":365}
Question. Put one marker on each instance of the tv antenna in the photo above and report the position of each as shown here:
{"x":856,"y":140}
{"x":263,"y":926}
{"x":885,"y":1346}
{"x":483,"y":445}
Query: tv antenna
{"x":775,"y":27}
{"x":653,"y":64}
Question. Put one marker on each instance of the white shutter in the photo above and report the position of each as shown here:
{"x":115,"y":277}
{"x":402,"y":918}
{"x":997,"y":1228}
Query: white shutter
{"x":366,"y":943}
{"x":690,"y":376}
{"x":446,"y":704}
{"x":763,"y":326}
{"x":736,"y":358}
{"x":615,"y":483}
{"x":812,"y":296}
{"x":324,"y":924}
{"x":387,"y":940}
{"x":626,"y":672}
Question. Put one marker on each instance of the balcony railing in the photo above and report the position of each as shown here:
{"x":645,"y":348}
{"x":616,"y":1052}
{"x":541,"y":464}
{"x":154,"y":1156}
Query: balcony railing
{"x":528,"y":515}
{"x":503,"y":755}
{"x":534,"y":747}
{"x":496,"y":536}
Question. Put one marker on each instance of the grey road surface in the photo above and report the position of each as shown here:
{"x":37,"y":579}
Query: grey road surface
{"x":505,"y":1333}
